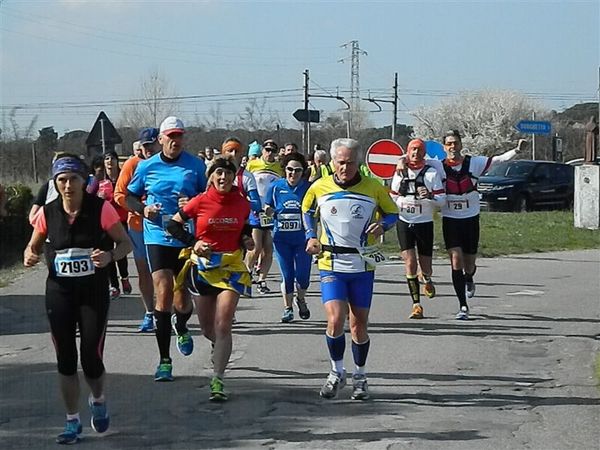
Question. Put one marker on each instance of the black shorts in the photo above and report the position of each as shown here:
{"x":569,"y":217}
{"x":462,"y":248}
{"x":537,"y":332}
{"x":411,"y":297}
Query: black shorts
{"x":162,"y":257}
{"x":463,"y":233}
{"x":415,"y":234}
{"x":198,"y":287}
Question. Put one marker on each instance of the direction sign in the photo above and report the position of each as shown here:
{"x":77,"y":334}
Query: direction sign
{"x":534,"y":127}
{"x":307,"y":115}
{"x":382,"y":158}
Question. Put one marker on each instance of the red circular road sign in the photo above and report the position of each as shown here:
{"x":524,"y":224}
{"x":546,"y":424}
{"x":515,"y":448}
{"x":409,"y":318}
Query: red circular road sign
{"x":382,"y":157}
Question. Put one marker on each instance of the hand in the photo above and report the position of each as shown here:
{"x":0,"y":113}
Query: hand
{"x":422,"y":192}
{"x":269,"y":211}
{"x":30,"y":258}
{"x":202,"y":248}
{"x":248,"y":243}
{"x":376,"y":229}
{"x":313,"y":246}
{"x":401,"y":165}
{"x":182,"y":201}
{"x":522,"y":145}
{"x":151,"y":211}
{"x":100,"y":258}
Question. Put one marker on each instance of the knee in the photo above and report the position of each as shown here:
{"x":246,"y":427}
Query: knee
{"x":67,"y":366}
{"x":92,"y":366}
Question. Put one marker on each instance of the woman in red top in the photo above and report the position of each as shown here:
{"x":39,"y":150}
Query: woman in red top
{"x":218,"y":276}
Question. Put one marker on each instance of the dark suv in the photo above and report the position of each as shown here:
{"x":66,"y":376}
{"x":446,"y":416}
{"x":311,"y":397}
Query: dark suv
{"x":524,"y":185}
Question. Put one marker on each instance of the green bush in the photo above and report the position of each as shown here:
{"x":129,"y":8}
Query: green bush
{"x":15,"y":230}
{"x":19,"y":199}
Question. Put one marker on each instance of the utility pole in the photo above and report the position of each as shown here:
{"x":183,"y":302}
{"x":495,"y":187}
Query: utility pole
{"x":306,"y":126}
{"x":394,"y":102}
{"x":354,"y":74}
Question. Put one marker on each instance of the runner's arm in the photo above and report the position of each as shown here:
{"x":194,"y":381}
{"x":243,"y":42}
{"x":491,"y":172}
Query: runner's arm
{"x":177,"y":230}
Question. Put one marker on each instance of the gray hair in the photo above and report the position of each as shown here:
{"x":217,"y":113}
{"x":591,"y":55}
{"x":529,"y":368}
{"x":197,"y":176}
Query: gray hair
{"x":320,"y":155}
{"x":137,"y":145}
{"x":351,"y":144}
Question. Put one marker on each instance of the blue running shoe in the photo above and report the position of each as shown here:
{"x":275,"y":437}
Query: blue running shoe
{"x":100,"y":418}
{"x":147,"y":324}
{"x":71,"y":434}
{"x":185,"y":343}
{"x":288,"y":315}
{"x":164,"y":371}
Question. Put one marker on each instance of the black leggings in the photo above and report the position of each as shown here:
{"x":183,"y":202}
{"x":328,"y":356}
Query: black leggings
{"x":77,"y":303}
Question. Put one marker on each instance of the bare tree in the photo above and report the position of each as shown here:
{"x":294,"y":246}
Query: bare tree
{"x":257,"y":116}
{"x":486,"y":119}
{"x":156,"y":101}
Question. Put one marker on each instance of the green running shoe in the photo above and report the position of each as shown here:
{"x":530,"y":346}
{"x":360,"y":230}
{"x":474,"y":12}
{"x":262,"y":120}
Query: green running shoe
{"x":217,"y":390}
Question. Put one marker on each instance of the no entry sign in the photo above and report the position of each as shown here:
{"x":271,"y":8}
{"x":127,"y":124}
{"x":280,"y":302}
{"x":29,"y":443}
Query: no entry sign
{"x":382,"y":157}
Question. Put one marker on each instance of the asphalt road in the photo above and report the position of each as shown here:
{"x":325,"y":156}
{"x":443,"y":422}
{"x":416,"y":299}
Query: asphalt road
{"x":518,"y":375}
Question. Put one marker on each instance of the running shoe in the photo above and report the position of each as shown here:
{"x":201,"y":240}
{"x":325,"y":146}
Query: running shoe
{"x":335,"y":381}
{"x":428,"y":288}
{"x":360,"y":388}
{"x":71,"y":433}
{"x":164,"y":371}
{"x":100,"y":418}
{"x":126,"y":286}
{"x":147,"y":324}
{"x":470,"y":289}
{"x":217,"y":390}
{"x":114,"y":293}
{"x":288,"y":315}
{"x":463,"y":314}
{"x":263,"y":288}
{"x":185,"y":343}
{"x":303,"y":310}
{"x":417,"y":312}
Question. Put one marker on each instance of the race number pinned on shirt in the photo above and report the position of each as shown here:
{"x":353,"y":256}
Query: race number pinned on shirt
{"x":289,"y":222}
{"x":265,"y":220}
{"x":74,"y":262}
{"x":411,"y":208}
{"x":458,"y":204}
{"x":372,"y":255}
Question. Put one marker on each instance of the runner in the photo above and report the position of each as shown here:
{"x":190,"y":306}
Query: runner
{"x":148,"y":140}
{"x":290,"y":147}
{"x":168,"y":180}
{"x":348,"y":206}
{"x":266,"y":171}
{"x":218,"y":275}
{"x":284,"y":201}
{"x":244,"y":180}
{"x":460,"y":212}
{"x":73,"y":227}
{"x":106,"y":189}
{"x":417,"y":190}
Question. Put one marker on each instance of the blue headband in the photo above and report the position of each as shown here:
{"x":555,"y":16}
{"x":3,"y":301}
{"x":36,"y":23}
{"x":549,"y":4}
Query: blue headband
{"x":68,"y":164}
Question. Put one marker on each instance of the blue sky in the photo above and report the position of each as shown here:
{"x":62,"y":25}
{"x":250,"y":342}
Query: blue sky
{"x":94,"y":53}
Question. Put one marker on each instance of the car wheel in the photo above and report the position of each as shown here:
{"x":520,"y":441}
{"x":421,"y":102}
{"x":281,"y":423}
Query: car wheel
{"x":521,"y":204}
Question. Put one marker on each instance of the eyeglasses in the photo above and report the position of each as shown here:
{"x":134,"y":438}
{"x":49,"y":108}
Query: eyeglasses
{"x":269,"y":149}
{"x":294,"y":169}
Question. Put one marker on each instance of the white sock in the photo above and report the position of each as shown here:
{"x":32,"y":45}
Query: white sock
{"x":73,"y":416}
{"x":338,"y":366}
{"x":359,"y":370}
{"x":97,"y":400}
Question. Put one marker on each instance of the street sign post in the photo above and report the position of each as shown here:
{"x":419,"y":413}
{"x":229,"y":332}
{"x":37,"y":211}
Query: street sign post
{"x":307,"y":115}
{"x":382,"y":157}
{"x":534,"y":127}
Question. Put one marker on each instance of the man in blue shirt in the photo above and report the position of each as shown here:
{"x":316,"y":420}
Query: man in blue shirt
{"x":167,"y":181}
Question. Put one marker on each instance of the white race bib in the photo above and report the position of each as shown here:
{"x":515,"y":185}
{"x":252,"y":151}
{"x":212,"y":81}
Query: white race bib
{"x":289,"y":222}
{"x":458,"y":205}
{"x":74,"y":262}
{"x":411,"y":208}
{"x":372,"y":255}
{"x":265,"y":221}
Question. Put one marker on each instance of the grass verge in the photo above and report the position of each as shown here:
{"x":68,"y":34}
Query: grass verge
{"x":514,"y":233}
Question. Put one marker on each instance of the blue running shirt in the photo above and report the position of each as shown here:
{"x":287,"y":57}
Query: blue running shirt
{"x":164,"y":181}
{"x":287,"y":203}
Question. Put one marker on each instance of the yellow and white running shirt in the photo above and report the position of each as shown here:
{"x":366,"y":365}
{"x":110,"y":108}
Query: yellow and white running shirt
{"x":345,"y":214}
{"x":265,"y":174}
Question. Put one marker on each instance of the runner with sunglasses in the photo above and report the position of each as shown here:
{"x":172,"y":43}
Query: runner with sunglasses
{"x":284,"y":203}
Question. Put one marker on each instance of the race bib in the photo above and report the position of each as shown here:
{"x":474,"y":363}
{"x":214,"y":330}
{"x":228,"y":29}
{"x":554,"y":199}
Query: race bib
{"x":411,"y":208}
{"x":458,"y":204}
{"x":74,"y":262}
{"x":265,"y":221}
{"x":372,"y":255}
{"x":289,"y":222}
{"x":203,"y":263}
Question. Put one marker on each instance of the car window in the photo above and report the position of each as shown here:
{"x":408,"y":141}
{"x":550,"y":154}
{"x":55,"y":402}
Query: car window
{"x":542,"y":172}
{"x":563,"y":173}
{"x":519,"y":170}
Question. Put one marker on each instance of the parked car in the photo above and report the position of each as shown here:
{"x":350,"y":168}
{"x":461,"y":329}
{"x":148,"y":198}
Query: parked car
{"x":525,"y":185}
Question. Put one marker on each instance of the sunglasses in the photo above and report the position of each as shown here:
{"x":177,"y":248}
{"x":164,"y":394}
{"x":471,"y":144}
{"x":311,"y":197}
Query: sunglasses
{"x":269,"y":149}
{"x":294,"y":169}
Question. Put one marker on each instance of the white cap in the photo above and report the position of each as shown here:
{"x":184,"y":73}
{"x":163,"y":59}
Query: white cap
{"x":172,"y":125}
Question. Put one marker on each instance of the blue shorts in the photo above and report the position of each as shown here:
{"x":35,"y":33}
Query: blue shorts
{"x":139,"y":249}
{"x":355,"y":288}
